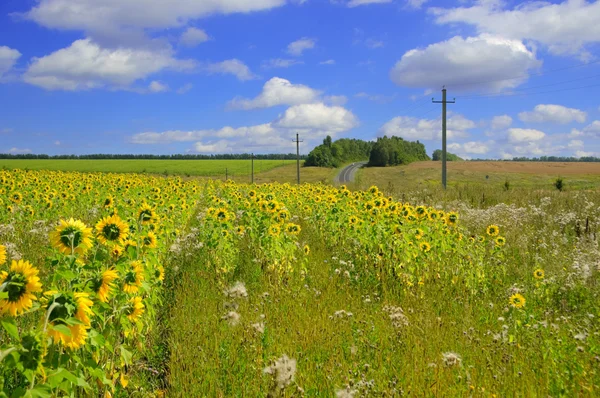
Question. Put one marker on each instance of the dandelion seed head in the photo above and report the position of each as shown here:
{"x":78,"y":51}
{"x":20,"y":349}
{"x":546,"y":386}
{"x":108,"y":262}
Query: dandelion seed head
{"x":451,"y":359}
{"x":283,"y":371}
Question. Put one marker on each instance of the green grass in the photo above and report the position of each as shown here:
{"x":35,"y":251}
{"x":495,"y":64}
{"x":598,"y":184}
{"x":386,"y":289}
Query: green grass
{"x":215,"y":168}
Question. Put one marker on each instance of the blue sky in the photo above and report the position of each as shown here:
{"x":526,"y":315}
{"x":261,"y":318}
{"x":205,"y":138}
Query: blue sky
{"x":230,"y":76}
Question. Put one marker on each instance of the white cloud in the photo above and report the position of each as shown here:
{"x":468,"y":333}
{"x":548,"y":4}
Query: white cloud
{"x":415,"y":4}
{"x":411,"y":128}
{"x":372,"y":43}
{"x":8,"y":59}
{"x":483,"y":62}
{"x":85,"y":65}
{"x":501,"y":122}
{"x":277,"y":91}
{"x":57,"y":143}
{"x":356,"y":3}
{"x":565,"y":28}
{"x":319,"y":117}
{"x":185,"y":88}
{"x":100,"y":16}
{"x":328,"y":62}
{"x":16,"y":151}
{"x":472,"y":147}
{"x":592,"y":128}
{"x":582,"y":154}
{"x":193,"y":36}
{"x":280,"y":63}
{"x":549,"y":113}
{"x":575,"y":144}
{"x":378,"y":98}
{"x":298,"y":47}
{"x":157,"y":87}
{"x":312,"y":121}
{"x":231,"y":67}
{"x":524,"y":135}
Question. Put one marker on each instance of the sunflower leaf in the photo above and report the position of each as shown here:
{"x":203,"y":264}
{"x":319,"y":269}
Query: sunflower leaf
{"x":62,"y":329}
{"x":11,"y":327}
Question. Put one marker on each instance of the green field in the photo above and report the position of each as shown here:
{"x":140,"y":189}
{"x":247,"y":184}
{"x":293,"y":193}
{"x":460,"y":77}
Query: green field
{"x":213,"y":168}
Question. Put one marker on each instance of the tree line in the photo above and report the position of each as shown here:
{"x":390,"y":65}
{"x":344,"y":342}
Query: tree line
{"x":226,"y":156}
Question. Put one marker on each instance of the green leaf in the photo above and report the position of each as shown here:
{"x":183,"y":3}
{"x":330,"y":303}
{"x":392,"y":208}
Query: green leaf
{"x":39,"y":391}
{"x":11,"y":327}
{"x":126,"y":355}
{"x":62,"y":329}
{"x":3,"y":295}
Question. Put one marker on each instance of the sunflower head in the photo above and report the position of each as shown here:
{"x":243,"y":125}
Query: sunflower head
{"x":135,"y":309}
{"x":20,"y":282}
{"x":32,"y":352}
{"x":64,"y":306}
{"x":539,"y":273}
{"x":500,"y":241}
{"x":517,"y":300}
{"x":292,"y":229}
{"x":451,"y":218}
{"x":150,"y":240}
{"x":71,"y":236}
{"x":424,"y":246}
{"x":493,"y":230}
{"x":306,"y":249}
{"x":146,"y":214}
{"x":112,"y":230}
{"x":2,"y":254}
{"x":102,"y":284}
{"x":274,"y":230}
{"x":134,"y":276}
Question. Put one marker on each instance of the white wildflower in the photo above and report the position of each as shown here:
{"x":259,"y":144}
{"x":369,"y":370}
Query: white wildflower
{"x":451,"y":359}
{"x":237,"y":290}
{"x":232,"y":318}
{"x":282,"y":371}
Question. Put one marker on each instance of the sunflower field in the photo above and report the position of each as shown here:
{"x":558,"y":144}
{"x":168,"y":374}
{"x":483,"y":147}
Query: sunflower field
{"x":128,"y":285}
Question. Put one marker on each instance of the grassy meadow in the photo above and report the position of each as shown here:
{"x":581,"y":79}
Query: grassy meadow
{"x":207,"y":168}
{"x":287,"y":291}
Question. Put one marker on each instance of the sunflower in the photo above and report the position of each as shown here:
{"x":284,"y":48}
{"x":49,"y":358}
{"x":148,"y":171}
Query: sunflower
{"x":16,"y":197}
{"x":292,"y":229}
{"x":102,"y":284}
{"x":19,"y":282}
{"x":539,"y":273}
{"x":150,"y":240}
{"x":222,"y":215}
{"x":424,"y":246}
{"x":32,"y":352}
{"x":500,"y":241}
{"x":2,"y":254}
{"x":133,"y":277}
{"x":240,"y":230}
{"x":274,"y":230}
{"x":451,"y":218}
{"x":517,"y":300}
{"x":136,"y":309}
{"x":108,"y":201}
{"x":306,"y":249}
{"x":116,"y":252}
{"x":71,"y":236}
{"x":112,"y":230}
{"x":64,"y":307}
{"x":145,"y":214}
{"x":493,"y":230}
{"x":159,"y":273}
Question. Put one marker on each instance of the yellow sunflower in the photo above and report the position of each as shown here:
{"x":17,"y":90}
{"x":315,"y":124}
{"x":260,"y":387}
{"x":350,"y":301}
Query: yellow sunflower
{"x":292,"y":229}
{"x":32,"y":352}
{"x":150,"y":240}
{"x":112,"y":230}
{"x":2,"y":254}
{"x":159,"y":273}
{"x":517,"y":300}
{"x":451,"y":218}
{"x":539,"y":273}
{"x":493,"y":230}
{"x":424,"y":246}
{"x":146,"y":214}
{"x":19,"y":282}
{"x":71,"y":236}
{"x":102,"y":285}
{"x":134,"y":276}
{"x":274,"y":230}
{"x":136,"y":309}
{"x":500,"y":241}
{"x":64,"y":307}
{"x":306,"y":250}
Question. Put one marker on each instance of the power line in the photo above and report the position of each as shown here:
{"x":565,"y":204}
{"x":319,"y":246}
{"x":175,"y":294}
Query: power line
{"x":531,"y":74}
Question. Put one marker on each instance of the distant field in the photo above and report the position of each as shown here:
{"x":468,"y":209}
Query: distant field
{"x":481,"y":183}
{"x":182,"y":167}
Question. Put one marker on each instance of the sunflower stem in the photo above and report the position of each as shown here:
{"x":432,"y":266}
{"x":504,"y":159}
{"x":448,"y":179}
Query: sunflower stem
{"x":50,"y":309}
{"x":4,"y":354}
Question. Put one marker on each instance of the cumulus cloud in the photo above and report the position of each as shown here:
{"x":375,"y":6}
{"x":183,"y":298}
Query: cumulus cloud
{"x":231,"y":67}
{"x":313,"y":121}
{"x":483,"y":62}
{"x":583,"y":154}
{"x":549,"y":113}
{"x":277,"y":91}
{"x":524,"y":135}
{"x":8,"y":59}
{"x":280,"y":63}
{"x":157,"y":87}
{"x":100,"y":16}
{"x":471,"y":147}
{"x":192,"y":37}
{"x":17,"y":151}
{"x":415,"y":4}
{"x":298,"y":47}
{"x":411,"y":128}
{"x":356,"y":3}
{"x":592,"y":128}
{"x":575,"y":144}
{"x":85,"y":65}
{"x":564,"y":28}
{"x":501,"y":122}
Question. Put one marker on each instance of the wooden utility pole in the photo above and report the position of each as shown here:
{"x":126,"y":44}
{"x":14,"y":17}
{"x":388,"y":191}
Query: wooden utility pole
{"x":443,"y":102}
{"x":252,"y":157}
{"x":298,"y":157}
